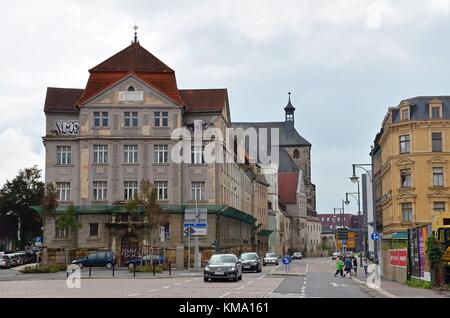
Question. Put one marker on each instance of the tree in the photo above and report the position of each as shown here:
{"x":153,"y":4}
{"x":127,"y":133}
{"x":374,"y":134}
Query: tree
{"x":68,"y":222}
{"x":49,"y":203}
{"x":435,"y":252}
{"x":145,"y":208}
{"x":17,"y":197}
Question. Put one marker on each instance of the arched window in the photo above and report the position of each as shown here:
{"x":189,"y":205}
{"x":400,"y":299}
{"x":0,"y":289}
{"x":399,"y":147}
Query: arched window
{"x":131,"y":89}
{"x":296,"y":154}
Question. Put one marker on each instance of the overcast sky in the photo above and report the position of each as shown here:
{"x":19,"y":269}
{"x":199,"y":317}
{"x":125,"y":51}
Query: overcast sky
{"x":345,"y":63}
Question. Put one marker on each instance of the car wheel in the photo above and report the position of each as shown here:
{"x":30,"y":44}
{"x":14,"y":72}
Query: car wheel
{"x":276,"y":264}
{"x":236,"y":278}
{"x":240,"y":277}
{"x":205,"y":279}
{"x":80,"y":265}
{"x":109,"y":265}
{"x":264,"y":264}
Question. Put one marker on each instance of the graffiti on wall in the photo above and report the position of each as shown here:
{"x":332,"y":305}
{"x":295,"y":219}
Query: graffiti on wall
{"x":67,"y":127}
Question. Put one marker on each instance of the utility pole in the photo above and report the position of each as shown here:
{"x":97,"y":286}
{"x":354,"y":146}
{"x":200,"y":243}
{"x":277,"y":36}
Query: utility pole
{"x":196,"y":249}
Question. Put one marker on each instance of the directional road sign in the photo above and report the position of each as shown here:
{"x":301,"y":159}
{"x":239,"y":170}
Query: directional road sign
{"x":286,"y":260}
{"x":375,"y":236}
{"x":189,"y":231}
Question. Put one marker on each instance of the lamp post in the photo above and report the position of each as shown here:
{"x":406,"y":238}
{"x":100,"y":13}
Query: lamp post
{"x":355,"y":179}
{"x":360,"y":241}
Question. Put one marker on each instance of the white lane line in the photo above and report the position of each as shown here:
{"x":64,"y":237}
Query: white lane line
{"x":177,"y":284}
{"x":134,"y":295}
{"x":165,"y":287}
{"x":242,"y":287}
{"x":307,"y":266}
{"x":225,"y":295}
{"x":151,"y":290}
{"x":262,"y":277}
{"x":188,"y":281}
{"x":271,"y":291}
{"x":249,"y":283}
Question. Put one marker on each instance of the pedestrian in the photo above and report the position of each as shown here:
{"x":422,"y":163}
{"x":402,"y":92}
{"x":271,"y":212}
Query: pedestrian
{"x":355,"y":266}
{"x":365,"y":265}
{"x":339,"y":267}
{"x":348,"y":265}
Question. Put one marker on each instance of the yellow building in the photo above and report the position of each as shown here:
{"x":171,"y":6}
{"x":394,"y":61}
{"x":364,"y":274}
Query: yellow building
{"x":411,"y":165}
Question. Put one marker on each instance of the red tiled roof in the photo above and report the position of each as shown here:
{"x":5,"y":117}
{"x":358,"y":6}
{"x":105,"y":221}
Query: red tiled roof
{"x":133,"y":58}
{"x":287,"y":187}
{"x":62,"y":99}
{"x":204,"y":100}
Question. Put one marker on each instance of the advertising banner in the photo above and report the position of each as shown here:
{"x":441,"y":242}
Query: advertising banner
{"x":413,"y":246}
{"x":398,"y":258}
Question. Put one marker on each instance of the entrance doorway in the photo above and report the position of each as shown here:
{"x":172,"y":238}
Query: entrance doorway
{"x":129,"y":248}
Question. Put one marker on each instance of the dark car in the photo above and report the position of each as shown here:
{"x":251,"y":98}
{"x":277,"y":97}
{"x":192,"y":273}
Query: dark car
{"x":97,"y":259}
{"x":146,"y":259}
{"x":251,"y":262}
{"x":223,"y":266}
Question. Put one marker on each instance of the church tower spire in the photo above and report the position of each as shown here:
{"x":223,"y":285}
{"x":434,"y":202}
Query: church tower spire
{"x":289,"y":111}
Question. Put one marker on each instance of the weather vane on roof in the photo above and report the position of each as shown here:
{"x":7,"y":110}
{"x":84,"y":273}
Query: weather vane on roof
{"x":135,"y":33}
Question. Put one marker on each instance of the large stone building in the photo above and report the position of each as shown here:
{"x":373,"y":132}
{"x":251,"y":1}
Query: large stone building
{"x":101,"y":141}
{"x":411,"y":157}
{"x":290,"y":186}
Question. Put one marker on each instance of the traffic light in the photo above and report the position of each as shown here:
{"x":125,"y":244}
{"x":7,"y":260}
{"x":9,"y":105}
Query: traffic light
{"x":342,"y":234}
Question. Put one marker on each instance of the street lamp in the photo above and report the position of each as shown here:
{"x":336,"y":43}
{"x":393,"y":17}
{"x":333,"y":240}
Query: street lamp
{"x":358,"y":200}
{"x":355,"y":179}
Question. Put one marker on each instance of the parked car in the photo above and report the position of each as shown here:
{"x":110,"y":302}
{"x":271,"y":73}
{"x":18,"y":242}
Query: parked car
{"x":271,"y":258}
{"x":97,"y":259}
{"x":297,"y":255}
{"x":5,"y":262}
{"x":335,"y":255}
{"x":146,"y":259}
{"x":251,"y":262}
{"x":223,"y":266}
{"x":13,"y":260}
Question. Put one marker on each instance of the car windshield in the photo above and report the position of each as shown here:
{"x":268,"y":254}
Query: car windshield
{"x":221,"y":259}
{"x":270,"y":255}
{"x":246,"y":257}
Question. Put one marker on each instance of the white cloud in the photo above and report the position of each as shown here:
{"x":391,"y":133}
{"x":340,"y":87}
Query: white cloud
{"x":17,"y":153}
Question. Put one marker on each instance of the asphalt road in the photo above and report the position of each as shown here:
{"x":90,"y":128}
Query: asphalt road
{"x":313,"y":277}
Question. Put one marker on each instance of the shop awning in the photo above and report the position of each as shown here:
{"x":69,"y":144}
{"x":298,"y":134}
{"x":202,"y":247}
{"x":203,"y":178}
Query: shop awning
{"x":396,"y":236}
{"x":265,"y":232}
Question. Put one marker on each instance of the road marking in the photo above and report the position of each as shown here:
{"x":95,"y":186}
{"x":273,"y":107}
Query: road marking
{"x":188,"y":281}
{"x":242,"y":287}
{"x":262,"y":276}
{"x":165,"y":287}
{"x":338,"y":285}
{"x":151,"y":290}
{"x":225,"y":295}
{"x":177,"y":284}
{"x":133,"y":295}
{"x":275,"y":287}
{"x":307,"y":266}
{"x":250,"y":282}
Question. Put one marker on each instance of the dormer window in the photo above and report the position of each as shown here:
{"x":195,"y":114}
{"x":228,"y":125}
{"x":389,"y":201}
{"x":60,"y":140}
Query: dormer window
{"x":435,"y":112}
{"x":405,"y":115}
{"x":131,"y":89}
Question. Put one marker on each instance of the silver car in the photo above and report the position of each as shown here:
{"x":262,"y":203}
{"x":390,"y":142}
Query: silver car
{"x":271,"y":258}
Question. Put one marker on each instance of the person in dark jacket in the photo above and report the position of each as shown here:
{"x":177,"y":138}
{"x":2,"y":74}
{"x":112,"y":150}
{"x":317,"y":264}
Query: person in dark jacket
{"x":355,"y":266}
{"x":348,"y":265}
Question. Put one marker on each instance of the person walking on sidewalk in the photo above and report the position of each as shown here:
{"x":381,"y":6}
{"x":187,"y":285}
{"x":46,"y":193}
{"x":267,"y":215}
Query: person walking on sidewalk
{"x":365,"y":265}
{"x":355,"y":266}
{"x":339,"y":267}
{"x":348,"y":265}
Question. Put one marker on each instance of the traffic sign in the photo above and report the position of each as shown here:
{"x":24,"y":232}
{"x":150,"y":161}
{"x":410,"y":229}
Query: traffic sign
{"x":189,"y":231}
{"x":38,"y":241}
{"x":286,"y":260}
{"x":344,"y":242}
{"x":375,"y":236}
{"x":342,"y":234}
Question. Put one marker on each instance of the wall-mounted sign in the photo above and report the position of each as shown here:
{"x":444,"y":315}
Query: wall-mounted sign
{"x":131,"y":96}
{"x":67,"y":127}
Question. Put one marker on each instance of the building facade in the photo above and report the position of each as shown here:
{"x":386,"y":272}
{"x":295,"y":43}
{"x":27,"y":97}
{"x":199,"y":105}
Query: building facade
{"x":103,"y":140}
{"x":411,"y":166}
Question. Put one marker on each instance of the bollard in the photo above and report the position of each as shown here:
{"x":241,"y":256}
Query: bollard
{"x":154,"y":269}
{"x":134,"y":271}
{"x":113,"y":270}
{"x":67,"y":274}
{"x":90,"y":269}
{"x":170,"y":269}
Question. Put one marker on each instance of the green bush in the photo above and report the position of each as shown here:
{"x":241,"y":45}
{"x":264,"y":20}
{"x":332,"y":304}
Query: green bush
{"x":418,"y":283}
{"x":40,"y":268}
{"x":147,"y":269}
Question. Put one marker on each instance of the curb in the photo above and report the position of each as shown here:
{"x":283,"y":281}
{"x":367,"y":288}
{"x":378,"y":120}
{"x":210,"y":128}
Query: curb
{"x":284,"y":274}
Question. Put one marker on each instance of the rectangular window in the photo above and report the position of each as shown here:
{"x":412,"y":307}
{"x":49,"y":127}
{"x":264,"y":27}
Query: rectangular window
{"x":439,"y":207}
{"x":61,"y":232}
{"x":405,"y":114}
{"x":100,"y":119}
{"x":130,"y":119}
{"x":197,"y":154}
{"x":64,"y":155}
{"x":130,"y":153}
{"x":130,"y":189}
{"x":165,"y":119}
{"x":93,"y":229}
{"x":161,"y":119}
{"x":161,"y":187}
{"x":63,"y":191}
{"x":100,"y":153}
{"x":405,"y":144}
{"x":407,"y":212}
{"x":436,"y":141}
{"x":198,"y":190}
{"x":435,"y":112}
{"x":161,"y":153}
{"x":438,"y":177}
{"x":405,"y":176}
{"x":100,"y":190}
{"x":157,"y":116}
